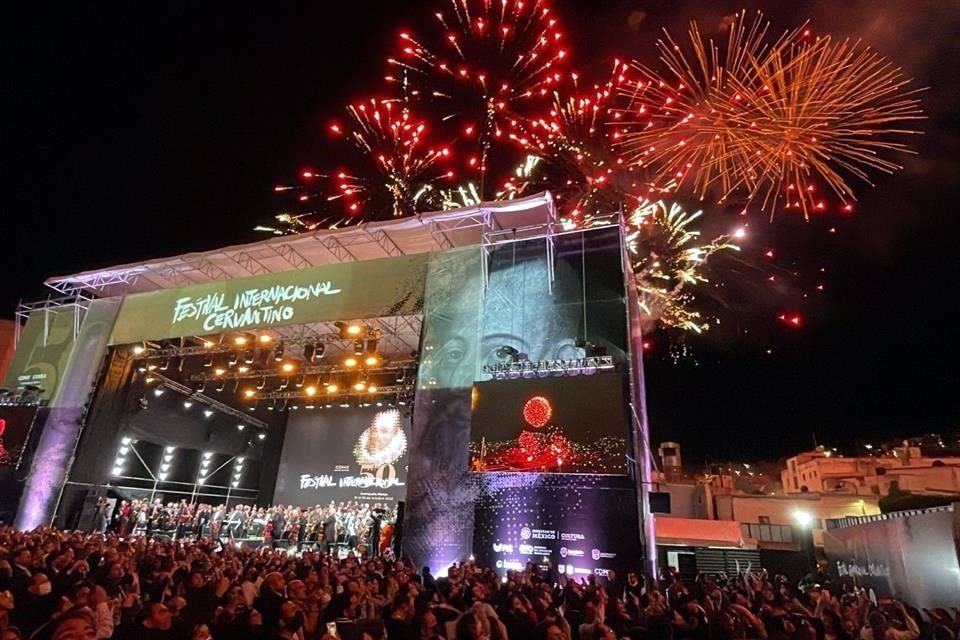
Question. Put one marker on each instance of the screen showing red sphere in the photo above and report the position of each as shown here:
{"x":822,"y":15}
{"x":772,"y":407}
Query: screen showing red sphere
{"x":569,"y":424}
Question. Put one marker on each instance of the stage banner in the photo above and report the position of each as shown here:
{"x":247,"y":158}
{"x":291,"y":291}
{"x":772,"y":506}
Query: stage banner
{"x":46,"y":343}
{"x":571,"y":424}
{"x":438,"y":528}
{"x":340,"y":454}
{"x":346,"y":291}
{"x":913,"y":558}
{"x":572,"y":525}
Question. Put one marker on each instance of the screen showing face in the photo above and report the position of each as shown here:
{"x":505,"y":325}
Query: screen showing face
{"x":569,"y":424}
{"x":339,"y":454}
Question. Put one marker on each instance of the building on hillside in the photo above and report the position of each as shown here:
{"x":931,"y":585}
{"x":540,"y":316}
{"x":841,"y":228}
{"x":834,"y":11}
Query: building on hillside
{"x":910,"y":467}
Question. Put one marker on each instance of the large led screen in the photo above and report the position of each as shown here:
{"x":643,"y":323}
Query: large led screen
{"x":341,"y":454}
{"x":568,"y":424}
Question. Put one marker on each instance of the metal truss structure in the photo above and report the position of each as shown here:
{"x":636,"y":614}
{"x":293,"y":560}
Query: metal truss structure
{"x":200,"y":398}
{"x":487,"y":225}
{"x":77,"y":303}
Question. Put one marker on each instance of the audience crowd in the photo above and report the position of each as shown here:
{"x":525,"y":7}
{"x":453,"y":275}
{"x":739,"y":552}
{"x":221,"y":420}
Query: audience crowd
{"x":68,"y":585}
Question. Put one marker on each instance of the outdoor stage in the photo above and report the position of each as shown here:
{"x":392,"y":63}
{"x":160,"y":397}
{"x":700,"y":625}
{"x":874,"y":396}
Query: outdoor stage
{"x":480,"y":366}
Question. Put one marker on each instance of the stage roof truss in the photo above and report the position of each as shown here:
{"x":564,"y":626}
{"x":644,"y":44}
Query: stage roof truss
{"x":424,"y":233}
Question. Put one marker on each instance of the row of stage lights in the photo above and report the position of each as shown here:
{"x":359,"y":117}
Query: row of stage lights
{"x":163,"y":470}
{"x":362,"y":361}
{"x":323,"y":402}
{"x":188,"y":404}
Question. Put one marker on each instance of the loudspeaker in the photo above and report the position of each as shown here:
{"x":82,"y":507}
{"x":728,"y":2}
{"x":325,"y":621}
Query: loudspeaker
{"x":398,"y":531}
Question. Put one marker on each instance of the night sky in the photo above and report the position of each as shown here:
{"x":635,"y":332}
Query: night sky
{"x":140,"y":130}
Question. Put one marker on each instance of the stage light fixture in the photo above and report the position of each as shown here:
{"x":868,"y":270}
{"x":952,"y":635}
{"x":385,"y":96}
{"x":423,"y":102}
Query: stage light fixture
{"x":207,"y":455}
{"x":265,"y":338}
{"x":208,"y":362}
{"x":372,"y":388}
{"x":126,"y":441}
{"x":241,"y":341}
{"x":287,"y":367}
{"x":360,"y":385}
{"x":320,"y":351}
{"x":138,"y":350}
{"x":233,"y":359}
{"x":243,"y":369}
{"x":332,"y":388}
{"x":278,"y":352}
{"x":241,"y":459}
{"x":344,"y":405}
{"x":201,"y":480}
{"x":309,"y":351}
{"x":372,"y":361}
{"x":162,"y":476}
{"x":358,"y":347}
{"x":164,"y":364}
{"x":170,"y":449}
{"x":219,"y":371}
{"x":249,"y":393}
{"x":249,"y":356}
{"x":299,"y":380}
{"x":117,"y":471}
{"x":207,"y":413}
{"x":354,"y":329}
{"x":262,"y":436}
{"x":142,"y":369}
{"x":350,"y":362}
{"x":401,"y":375}
{"x":240,"y":427}
{"x":187,"y":404}
{"x":221,"y":385}
{"x":201,"y":386}
{"x":284,"y":383}
{"x":124,"y":450}
{"x":149,"y":380}
{"x":165,"y":466}
{"x":119,"y":462}
{"x":311,"y":391}
{"x":208,"y":344}
{"x":158,"y":391}
{"x":372,"y":345}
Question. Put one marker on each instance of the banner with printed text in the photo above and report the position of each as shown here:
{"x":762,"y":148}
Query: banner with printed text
{"x":346,"y":291}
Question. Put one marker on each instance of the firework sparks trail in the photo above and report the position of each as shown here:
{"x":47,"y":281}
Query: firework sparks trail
{"x":571,"y":152}
{"x":492,"y":55}
{"x":398,"y":173}
{"x":669,"y":262}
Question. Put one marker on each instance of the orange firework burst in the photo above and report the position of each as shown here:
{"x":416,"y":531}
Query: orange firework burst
{"x":820,"y":112}
{"x":769,"y":120}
